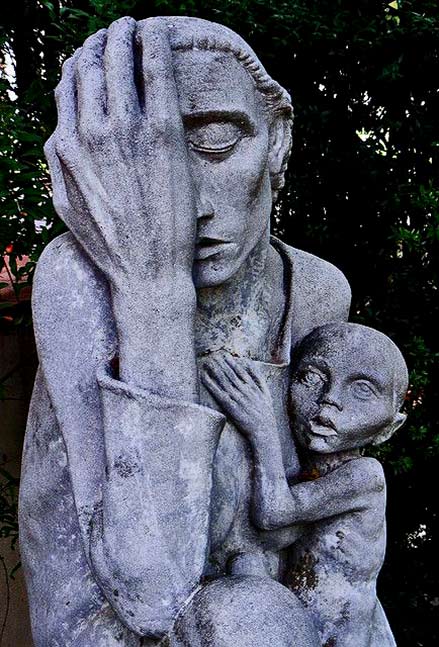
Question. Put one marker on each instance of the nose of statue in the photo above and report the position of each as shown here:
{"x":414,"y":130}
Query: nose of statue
{"x":332,"y":397}
{"x":204,"y":208}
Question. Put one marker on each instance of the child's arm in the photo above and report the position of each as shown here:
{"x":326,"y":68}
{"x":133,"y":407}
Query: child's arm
{"x":345,"y":489}
{"x":246,"y":400}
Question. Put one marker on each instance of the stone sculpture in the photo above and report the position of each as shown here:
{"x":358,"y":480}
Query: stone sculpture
{"x":137,"y":488}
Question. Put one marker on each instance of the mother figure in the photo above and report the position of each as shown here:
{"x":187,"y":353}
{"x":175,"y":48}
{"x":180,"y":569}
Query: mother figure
{"x":171,"y":146}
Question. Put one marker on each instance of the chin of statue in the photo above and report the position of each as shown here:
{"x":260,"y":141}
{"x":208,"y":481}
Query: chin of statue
{"x":211,"y":274}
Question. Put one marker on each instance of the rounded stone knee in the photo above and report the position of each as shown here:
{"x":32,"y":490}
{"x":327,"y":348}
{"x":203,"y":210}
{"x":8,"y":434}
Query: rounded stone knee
{"x":244,"y":611}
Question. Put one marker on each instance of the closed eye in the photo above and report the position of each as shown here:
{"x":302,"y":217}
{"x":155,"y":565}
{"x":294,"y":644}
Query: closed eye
{"x":224,"y":148}
{"x":214,"y":137}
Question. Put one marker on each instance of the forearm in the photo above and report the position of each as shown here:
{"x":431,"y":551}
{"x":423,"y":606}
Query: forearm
{"x":273,"y":506}
{"x":150,"y":541}
{"x":348,"y":488}
{"x":155,"y":326}
{"x":65,"y":603}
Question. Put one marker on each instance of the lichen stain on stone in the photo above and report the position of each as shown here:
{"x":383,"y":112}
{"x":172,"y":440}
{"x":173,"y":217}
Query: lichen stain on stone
{"x":303,"y":574}
{"x":340,"y":539}
{"x":164,"y":642}
{"x":125,"y":468}
{"x":346,"y":612}
{"x":180,"y":636}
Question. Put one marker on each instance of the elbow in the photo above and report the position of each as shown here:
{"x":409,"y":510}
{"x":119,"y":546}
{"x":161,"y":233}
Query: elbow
{"x":152,"y":621}
{"x":272,"y":517}
{"x":266,"y":518}
{"x":266,"y":523}
{"x":147,"y":609}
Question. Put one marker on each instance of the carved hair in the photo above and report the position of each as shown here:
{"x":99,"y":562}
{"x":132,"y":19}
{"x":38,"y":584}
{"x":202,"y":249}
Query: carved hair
{"x":188,"y":33}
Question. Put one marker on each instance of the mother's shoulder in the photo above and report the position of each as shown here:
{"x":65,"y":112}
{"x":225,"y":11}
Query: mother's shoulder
{"x":319,"y":291}
{"x":64,"y":259}
{"x":70,"y":296}
{"x":64,"y":272}
{"x":312,"y":272}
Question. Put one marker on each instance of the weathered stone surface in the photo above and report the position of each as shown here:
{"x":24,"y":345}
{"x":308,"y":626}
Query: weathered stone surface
{"x":137,"y":483}
{"x":215,"y":617}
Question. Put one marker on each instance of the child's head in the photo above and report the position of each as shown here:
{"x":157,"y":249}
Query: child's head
{"x":348,"y":385}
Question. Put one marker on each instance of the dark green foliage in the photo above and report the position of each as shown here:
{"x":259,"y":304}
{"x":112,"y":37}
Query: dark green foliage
{"x":8,"y":507}
{"x":362,"y":191}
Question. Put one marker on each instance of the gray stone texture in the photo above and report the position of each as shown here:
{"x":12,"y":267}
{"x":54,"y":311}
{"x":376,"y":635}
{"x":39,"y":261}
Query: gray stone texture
{"x":143,"y":518}
{"x":273,"y":616}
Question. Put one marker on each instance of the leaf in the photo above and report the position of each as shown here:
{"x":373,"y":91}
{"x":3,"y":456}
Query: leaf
{"x":15,"y":569}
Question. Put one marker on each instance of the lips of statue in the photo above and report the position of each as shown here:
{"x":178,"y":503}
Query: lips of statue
{"x":227,"y":134}
{"x":340,"y":404}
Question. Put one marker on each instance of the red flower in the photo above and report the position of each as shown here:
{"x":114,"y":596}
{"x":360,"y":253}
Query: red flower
{"x":9,"y":248}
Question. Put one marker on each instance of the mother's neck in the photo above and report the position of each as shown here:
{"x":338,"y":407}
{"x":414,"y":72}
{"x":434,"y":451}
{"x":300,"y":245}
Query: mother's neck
{"x":239,"y":315}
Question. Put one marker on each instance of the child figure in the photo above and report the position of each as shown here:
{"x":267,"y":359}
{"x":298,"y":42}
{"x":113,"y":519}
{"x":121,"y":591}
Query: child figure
{"x":348,"y":384}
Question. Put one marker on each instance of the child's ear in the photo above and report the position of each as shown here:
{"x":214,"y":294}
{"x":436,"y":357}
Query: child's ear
{"x":280,"y":142}
{"x":388,"y":431}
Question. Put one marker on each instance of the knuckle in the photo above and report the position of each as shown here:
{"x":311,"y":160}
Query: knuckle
{"x":120,"y":129}
{"x":126,"y":22}
{"x":69,"y":64}
{"x":66,"y":148}
{"x":93,"y":133}
{"x":49,"y":147}
{"x":87,"y":132}
{"x":123,"y":118}
{"x":95,"y":40}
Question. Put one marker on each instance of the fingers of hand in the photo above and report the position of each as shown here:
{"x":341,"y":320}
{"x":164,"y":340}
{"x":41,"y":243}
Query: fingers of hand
{"x":255,"y":375}
{"x":91,"y":83}
{"x":65,"y":97}
{"x":123,"y":99}
{"x":100,"y":80}
{"x":159,"y":91}
{"x":60,"y":198}
{"x":227,"y":376}
{"x":239,"y":368}
{"x":246,"y":371}
{"x":221,"y":396}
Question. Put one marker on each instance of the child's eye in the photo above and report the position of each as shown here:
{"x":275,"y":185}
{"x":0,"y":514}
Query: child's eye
{"x":311,"y":377}
{"x":363,"y":389}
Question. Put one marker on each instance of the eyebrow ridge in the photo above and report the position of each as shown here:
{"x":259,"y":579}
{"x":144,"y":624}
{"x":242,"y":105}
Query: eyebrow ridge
{"x":237,"y":117}
{"x":318,"y":361}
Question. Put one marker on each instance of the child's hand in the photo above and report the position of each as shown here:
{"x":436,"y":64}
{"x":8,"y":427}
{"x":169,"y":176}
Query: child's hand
{"x":242,"y":393}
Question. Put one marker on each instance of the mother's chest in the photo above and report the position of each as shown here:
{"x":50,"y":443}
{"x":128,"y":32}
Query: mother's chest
{"x":232,"y":531}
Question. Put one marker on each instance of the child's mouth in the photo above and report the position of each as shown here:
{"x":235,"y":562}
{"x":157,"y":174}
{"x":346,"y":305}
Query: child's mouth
{"x":323,"y":426}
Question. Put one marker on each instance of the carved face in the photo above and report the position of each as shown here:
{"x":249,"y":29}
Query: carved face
{"x":342,"y":393}
{"x":228,"y":138}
